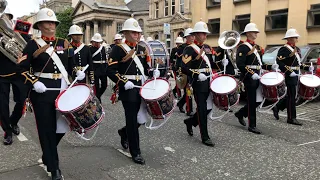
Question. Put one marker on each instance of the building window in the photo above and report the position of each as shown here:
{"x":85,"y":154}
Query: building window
{"x":277,"y":20}
{"x":168,"y":42}
{"x":156,"y":37}
{"x":173,"y":7}
{"x":213,"y":3}
{"x":180,"y":34}
{"x":181,"y":6}
{"x":214,"y":26}
{"x":237,"y":1}
{"x":166,"y":7}
{"x":314,"y":16}
{"x":156,"y":13}
{"x":141,"y":24}
{"x":240,"y":22}
{"x":119,"y":27}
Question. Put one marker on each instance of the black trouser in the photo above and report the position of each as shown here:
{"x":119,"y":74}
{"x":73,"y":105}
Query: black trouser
{"x":131,"y":110}
{"x":289,"y":102}
{"x":200,"y":118}
{"x":249,"y":110}
{"x":186,"y":99}
{"x":100,"y":88}
{"x":19,"y":95}
{"x":45,"y":114}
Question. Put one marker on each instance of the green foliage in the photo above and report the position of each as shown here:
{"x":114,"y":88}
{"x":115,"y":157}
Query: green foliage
{"x":65,"y":22}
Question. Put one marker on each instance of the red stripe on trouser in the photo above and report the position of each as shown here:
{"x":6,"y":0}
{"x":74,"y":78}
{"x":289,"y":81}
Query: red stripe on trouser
{"x":289,"y":104}
{"x":177,"y":89}
{"x":187,"y":101}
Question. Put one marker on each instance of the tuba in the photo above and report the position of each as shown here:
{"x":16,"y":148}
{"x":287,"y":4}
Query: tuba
{"x":229,"y":41}
{"x":11,"y":42}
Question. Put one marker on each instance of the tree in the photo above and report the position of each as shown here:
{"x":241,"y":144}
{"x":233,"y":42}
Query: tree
{"x":65,"y":22}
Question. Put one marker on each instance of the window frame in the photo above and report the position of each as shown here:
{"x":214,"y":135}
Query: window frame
{"x":166,"y":7}
{"x":156,"y":14}
{"x":181,"y":6}
{"x":210,"y":4}
{"x":315,"y":8}
{"x":238,"y":18}
{"x":211,"y":22}
{"x":272,"y":14}
{"x":173,"y":6}
{"x":119,"y":25}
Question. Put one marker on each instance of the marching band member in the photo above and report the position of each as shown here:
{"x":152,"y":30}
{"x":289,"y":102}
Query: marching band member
{"x":197,"y":62}
{"x":51,"y":59}
{"x":99,"y":65}
{"x":249,"y":63}
{"x":173,"y":57}
{"x":128,"y":68}
{"x":288,"y":59}
{"x":187,"y":96}
{"x":82,"y":53}
{"x":8,"y":76}
{"x":117,"y":40}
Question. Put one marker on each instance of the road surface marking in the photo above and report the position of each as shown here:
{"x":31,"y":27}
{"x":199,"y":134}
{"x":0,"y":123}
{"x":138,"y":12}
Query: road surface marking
{"x":21,"y":137}
{"x":309,"y":143}
{"x":124,"y":153}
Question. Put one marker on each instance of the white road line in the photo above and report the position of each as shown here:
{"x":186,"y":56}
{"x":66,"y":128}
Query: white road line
{"x":309,"y":143}
{"x":124,"y":153}
{"x":21,"y":137}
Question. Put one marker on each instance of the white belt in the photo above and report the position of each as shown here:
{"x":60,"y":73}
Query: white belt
{"x":49,"y":75}
{"x":257,"y":67}
{"x":207,"y":70}
{"x":295,"y":68}
{"x":99,"y":62}
{"x":134,"y":77}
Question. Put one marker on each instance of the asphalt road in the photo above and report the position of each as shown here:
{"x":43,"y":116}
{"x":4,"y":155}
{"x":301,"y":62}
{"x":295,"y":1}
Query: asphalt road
{"x":279,"y":152}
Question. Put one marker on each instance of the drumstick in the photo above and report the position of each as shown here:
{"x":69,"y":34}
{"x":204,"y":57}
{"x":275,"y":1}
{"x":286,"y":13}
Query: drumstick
{"x":268,"y":78}
{"x":75,"y":80}
{"x":143,"y":87}
{"x":311,"y":71}
{"x":154,"y":83}
{"x":224,"y":66}
{"x":52,"y":89}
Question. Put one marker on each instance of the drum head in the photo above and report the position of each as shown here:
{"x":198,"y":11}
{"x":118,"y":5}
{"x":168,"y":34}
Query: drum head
{"x":73,"y":98}
{"x":223,"y":84}
{"x":272,"y":78}
{"x":310,"y":80}
{"x":161,"y":88}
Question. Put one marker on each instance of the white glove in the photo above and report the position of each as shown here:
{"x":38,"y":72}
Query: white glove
{"x":80,"y":75}
{"x":225,"y":62}
{"x":275,"y":67}
{"x":293,"y":74}
{"x":202,"y":77}
{"x":39,"y":87}
{"x":128,"y":85}
{"x":255,"y":76}
{"x":156,"y":73}
{"x":311,"y":68}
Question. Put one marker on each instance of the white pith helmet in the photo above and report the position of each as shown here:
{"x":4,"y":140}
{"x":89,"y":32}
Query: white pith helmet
{"x":187,"y":32}
{"x":179,"y":40}
{"x":97,"y":37}
{"x":75,"y":30}
{"x":200,"y":27}
{"x":250,"y":27}
{"x":45,"y":14}
{"x":117,"y":36}
{"x":131,"y":25}
{"x":291,"y":33}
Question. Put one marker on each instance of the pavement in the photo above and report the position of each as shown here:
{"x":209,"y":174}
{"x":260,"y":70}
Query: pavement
{"x":282,"y":151}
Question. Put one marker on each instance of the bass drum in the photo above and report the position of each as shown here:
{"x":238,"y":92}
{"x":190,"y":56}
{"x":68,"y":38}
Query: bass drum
{"x":158,"y":52}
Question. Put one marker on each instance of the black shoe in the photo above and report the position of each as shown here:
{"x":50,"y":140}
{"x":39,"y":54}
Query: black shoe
{"x":124,"y":140}
{"x":208,"y":142}
{"x":254,"y":130}
{"x":138,"y":159}
{"x":189,"y":127}
{"x":275,"y":111}
{"x":240,"y":119}
{"x":56,"y":175}
{"x":16,"y":129}
{"x":7,"y":140}
{"x":181,"y":109}
{"x":294,"y":122}
{"x":190,"y":113}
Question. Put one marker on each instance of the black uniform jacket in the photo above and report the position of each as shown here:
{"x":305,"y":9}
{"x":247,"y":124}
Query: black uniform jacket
{"x":192,"y":62}
{"x":287,"y":59}
{"x":100,"y":69}
{"x":40,"y":61}
{"x":82,"y":58}
{"x":220,"y":55}
{"x":245,"y":58}
{"x":118,"y":68}
{"x":173,"y":58}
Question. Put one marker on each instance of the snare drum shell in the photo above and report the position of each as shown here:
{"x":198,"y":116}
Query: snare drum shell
{"x":273,"y":92}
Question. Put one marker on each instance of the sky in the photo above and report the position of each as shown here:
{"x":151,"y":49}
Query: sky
{"x":24,"y":7}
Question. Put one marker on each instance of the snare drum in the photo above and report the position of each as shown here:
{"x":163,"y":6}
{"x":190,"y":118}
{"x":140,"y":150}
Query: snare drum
{"x":160,"y":101}
{"x":273,"y":86}
{"x":225,"y":91}
{"x":308,"y":84}
{"x":80,"y":107}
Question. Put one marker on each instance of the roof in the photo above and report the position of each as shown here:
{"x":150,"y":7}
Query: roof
{"x":138,"y":5}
